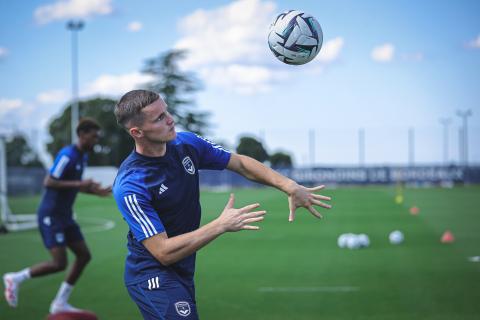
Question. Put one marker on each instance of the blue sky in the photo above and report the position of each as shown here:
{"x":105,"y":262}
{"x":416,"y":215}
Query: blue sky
{"x":385,"y":66}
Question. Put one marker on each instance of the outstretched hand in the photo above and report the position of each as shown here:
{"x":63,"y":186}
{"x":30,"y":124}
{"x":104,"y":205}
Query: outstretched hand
{"x":96,"y":189}
{"x":232,"y":219}
{"x":301,"y":196}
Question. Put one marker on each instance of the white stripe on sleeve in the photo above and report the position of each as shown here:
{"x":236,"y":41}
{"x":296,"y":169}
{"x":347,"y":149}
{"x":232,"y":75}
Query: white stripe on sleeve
{"x":144,"y":215}
{"x":135,"y":216}
{"x":57,"y":172}
{"x":138,"y":211}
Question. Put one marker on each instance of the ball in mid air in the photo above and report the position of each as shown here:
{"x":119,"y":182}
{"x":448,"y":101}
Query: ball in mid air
{"x":295,"y":37}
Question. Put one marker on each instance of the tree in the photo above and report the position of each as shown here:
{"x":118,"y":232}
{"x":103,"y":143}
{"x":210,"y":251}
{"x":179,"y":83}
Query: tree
{"x":281,"y":160}
{"x":19,"y":153}
{"x":177,"y":87}
{"x":114,"y":145}
{"x":251,"y":147}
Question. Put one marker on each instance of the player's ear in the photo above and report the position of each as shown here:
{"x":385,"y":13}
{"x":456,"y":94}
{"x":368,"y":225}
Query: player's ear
{"x":136,"y":132}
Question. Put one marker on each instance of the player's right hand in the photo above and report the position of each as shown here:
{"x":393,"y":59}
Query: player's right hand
{"x":232,"y":220}
{"x":86,"y":184}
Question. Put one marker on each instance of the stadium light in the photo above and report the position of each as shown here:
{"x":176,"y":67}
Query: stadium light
{"x":464,"y":134}
{"x":74,"y":27}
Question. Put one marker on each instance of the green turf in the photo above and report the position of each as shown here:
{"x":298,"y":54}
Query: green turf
{"x":241,"y":275}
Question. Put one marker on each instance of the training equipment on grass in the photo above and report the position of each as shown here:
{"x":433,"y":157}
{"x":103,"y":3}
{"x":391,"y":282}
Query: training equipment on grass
{"x":69,"y":315}
{"x":295,"y":37}
{"x":396,"y":237}
{"x":353,"y":241}
{"x":447,"y":237}
{"x":414,"y":210}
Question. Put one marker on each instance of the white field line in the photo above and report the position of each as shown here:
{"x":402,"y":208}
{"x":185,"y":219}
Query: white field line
{"x":100,"y":224}
{"x":339,"y":289}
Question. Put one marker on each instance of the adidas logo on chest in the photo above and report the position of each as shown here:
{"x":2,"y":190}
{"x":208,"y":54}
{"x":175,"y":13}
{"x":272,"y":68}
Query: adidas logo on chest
{"x":162,"y":189}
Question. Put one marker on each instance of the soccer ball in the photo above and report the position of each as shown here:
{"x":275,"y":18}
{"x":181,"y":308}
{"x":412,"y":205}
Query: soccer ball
{"x":342,"y":240}
{"x":295,"y":37}
{"x":396,"y":237}
{"x":352,"y":241}
{"x":363,"y":240}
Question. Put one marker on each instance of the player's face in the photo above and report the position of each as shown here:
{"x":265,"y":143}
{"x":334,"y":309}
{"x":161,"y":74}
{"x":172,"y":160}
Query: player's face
{"x":158,"y":124}
{"x":89,"y":139}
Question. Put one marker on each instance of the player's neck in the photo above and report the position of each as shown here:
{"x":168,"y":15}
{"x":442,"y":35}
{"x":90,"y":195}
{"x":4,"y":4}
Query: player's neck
{"x":151,"y":150}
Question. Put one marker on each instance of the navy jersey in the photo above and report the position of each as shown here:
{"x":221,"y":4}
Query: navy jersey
{"x":161,"y":194}
{"x":68,"y":165}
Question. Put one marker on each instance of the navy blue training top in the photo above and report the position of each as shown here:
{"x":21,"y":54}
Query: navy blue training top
{"x":161,"y":194}
{"x":68,"y":165}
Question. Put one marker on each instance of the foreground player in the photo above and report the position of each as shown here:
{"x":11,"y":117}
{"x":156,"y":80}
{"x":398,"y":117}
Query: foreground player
{"x":157,"y":192}
{"x":55,"y":219}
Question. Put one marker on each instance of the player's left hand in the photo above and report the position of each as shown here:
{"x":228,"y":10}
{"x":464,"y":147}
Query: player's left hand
{"x":301,"y":196}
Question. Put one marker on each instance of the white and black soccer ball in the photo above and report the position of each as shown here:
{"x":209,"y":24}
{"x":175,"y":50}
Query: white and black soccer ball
{"x":363,"y":240}
{"x":396,"y":237}
{"x":295,"y":37}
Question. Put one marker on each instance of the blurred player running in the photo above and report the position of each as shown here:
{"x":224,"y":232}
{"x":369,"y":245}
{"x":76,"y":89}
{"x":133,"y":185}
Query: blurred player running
{"x":55,"y":219}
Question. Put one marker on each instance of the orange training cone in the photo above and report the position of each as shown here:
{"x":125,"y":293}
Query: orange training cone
{"x":447,"y":237}
{"x":414,"y":210}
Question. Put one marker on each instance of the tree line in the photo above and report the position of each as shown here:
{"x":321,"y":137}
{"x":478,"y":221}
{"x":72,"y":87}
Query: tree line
{"x":177,"y":87}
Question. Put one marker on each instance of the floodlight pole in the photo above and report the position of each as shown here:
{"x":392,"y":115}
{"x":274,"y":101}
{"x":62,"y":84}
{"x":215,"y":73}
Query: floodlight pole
{"x":74,"y":27}
{"x":411,"y":147}
{"x":464,"y":136}
{"x":445,"y":123}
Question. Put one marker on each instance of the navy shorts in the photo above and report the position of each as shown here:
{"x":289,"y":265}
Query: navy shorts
{"x":164,"y":298}
{"x":58,"y":232}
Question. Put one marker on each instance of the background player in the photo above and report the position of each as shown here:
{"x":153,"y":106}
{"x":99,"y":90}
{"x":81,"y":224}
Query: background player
{"x":157,"y":191}
{"x":55,"y":219}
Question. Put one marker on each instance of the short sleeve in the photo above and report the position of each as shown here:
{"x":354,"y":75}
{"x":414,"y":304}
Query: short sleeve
{"x":60,"y":165}
{"x":135,"y":205}
{"x":212,"y":156}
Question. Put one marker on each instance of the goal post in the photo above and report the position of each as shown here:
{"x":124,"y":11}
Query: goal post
{"x":8,"y":220}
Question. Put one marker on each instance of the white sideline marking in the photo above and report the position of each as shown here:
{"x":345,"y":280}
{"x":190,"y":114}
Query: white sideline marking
{"x":309,"y":289}
{"x":474,"y":259}
{"x":101,"y":225}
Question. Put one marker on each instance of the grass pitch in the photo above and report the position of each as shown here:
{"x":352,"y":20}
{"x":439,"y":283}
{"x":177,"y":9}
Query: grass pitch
{"x":288,"y":270}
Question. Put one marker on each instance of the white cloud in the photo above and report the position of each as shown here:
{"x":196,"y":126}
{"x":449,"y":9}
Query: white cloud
{"x":52,"y":97}
{"x":228,"y":46}
{"x":134,"y":26}
{"x":3,"y":52}
{"x":242,"y":79}
{"x":16,"y":114}
{"x":330,"y":50}
{"x":113,"y":85}
{"x":383,"y":53}
{"x":475,"y":43}
{"x":67,"y":9}
{"x":7,"y":105}
{"x":231,"y":33}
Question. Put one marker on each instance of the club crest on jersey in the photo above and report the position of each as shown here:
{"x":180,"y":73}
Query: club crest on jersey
{"x":59,"y":237}
{"x":183,"y":308}
{"x":188,"y":165}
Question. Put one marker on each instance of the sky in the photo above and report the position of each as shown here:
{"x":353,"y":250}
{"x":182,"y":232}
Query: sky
{"x":385,"y":67}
